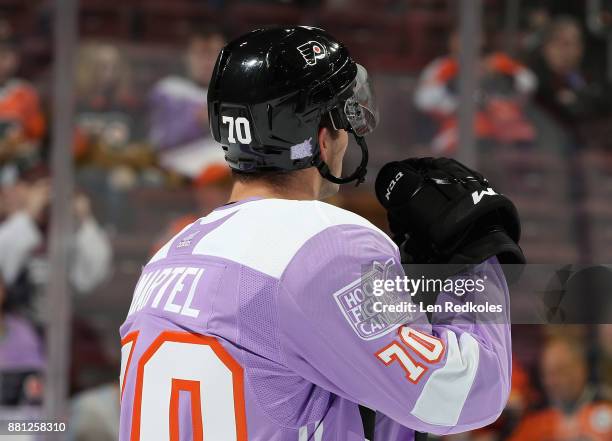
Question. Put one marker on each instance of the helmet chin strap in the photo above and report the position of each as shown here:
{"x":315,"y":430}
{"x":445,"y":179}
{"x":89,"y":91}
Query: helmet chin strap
{"x":359,"y":173}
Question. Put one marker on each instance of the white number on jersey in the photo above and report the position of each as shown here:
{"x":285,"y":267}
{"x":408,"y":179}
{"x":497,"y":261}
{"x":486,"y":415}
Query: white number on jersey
{"x":429,"y":348}
{"x":198,"y":366}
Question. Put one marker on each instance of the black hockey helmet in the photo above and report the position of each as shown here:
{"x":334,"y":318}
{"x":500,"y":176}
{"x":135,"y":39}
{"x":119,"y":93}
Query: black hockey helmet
{"x":269,"y":91}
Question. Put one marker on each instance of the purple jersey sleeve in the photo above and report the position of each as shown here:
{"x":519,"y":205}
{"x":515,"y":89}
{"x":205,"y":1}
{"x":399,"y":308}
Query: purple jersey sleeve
{"x":441,"y":379}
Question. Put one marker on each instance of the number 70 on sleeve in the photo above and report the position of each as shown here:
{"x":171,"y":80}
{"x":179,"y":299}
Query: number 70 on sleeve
{"x":428,"y":348}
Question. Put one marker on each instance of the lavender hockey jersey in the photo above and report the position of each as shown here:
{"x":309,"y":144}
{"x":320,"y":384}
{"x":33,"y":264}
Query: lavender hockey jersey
{"x":251,"y":324}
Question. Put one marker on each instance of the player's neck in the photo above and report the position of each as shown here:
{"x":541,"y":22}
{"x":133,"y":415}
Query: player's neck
{"x":305,"y":187}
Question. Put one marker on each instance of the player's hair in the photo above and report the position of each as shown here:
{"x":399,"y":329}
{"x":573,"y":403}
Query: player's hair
{"x":280,"y":179}
{"x":275,"y":179}
{"x":327,"y":123}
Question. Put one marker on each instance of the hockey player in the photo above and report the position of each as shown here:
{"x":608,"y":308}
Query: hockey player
{"x":254,"y":322}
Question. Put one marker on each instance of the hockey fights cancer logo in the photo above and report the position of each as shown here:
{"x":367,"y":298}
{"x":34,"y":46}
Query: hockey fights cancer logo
{"x":312,"y":51}
{"x":356,"y":301}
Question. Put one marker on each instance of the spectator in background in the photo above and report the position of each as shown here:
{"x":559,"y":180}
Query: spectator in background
{"x":504,"y":83}
{"x":575,"y":410}
{"x":94,"y":386}
{"x":21,"y":357}
{"x":568,"y":93}
{"x":22,"y":124}
{"x":94,"y":414}
{"x":24,"y":206}
{"x":179,"y":114}
{"x":22,"y":239}
{"x":91,"y":261}
{"x":110,"y":126}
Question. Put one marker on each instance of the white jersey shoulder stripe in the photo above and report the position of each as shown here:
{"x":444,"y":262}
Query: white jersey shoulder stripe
{"x":444,"y":395}
{"x":266,"y":234}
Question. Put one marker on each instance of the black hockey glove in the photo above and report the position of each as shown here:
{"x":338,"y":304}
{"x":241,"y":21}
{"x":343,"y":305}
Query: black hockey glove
{"x":442,"y":212}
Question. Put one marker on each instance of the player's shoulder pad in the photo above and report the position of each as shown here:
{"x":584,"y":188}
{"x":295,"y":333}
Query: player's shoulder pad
{"x":266,"y":234}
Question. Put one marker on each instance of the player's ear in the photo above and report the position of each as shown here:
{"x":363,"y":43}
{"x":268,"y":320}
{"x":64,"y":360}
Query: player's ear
{"x":324,"y":143}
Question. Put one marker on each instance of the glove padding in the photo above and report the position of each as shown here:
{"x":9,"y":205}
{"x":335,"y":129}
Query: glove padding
{"x":440,"y":211}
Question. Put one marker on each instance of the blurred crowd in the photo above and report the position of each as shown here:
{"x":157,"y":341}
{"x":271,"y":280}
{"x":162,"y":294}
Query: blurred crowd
{"x":563,"y":394}
{"x":146,"y":166}
{"x":550,"y":73}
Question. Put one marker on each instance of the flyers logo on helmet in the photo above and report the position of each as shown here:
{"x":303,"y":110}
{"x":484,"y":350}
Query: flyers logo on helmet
{"x":312,"y":51}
